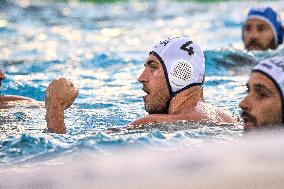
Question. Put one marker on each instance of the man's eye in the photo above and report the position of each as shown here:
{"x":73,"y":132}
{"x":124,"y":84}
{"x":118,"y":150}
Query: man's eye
{"x":153,"y":66}
{"x":261,"y":96}
{"x":247,"y":28}
{"x":260,"y":28}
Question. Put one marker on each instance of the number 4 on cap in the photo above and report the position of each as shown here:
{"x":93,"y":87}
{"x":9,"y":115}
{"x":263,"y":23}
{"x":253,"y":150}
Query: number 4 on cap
{"x":185,"y":46}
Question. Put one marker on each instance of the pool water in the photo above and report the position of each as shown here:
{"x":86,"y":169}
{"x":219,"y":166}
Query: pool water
{"x":102,"y":48}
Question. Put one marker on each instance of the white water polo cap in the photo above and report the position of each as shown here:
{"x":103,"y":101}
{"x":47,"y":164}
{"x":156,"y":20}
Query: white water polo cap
{"x":273,"y":68}
{"x":183,"y":63}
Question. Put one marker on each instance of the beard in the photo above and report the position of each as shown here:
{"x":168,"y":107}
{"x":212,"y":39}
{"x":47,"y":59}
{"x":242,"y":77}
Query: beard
{"x":254,"y":44}
{"x":248,"y":118}
{"x":157,"y":104}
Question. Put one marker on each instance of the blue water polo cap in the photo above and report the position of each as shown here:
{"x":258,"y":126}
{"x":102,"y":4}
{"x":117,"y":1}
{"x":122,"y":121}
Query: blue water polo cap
{"x":272,"y":18}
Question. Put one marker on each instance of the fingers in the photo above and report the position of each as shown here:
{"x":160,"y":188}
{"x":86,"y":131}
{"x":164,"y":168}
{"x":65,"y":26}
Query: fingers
{"x":61,"y":83}
{"x":61,"y":92}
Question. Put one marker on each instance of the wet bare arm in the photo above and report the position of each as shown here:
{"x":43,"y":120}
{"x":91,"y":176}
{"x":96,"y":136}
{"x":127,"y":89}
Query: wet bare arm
{"x":161,"y":118}
{"x":191,"y":115}
{"x":59,"y":95}
{"x":8,"y":98}
{"x":55,"y":119}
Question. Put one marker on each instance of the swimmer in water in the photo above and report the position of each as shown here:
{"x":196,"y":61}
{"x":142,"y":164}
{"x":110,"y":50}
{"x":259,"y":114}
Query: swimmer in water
{"x":263,"y":107}
{"x":262,"y":29}
{"x":172,"y":80}
{"x":9,"y":98}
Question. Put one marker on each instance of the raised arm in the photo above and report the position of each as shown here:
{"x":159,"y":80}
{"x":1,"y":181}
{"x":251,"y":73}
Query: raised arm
{"x":59,"y":95}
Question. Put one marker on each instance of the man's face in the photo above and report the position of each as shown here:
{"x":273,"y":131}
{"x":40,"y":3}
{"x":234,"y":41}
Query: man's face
{"x":262,"y":105}
{"x":1,"y":77}
{"x":258,"y":35}
{"x":155,"y":86}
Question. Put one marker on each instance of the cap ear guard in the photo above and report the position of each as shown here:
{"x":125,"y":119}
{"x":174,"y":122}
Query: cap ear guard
{"x":180,"y":73}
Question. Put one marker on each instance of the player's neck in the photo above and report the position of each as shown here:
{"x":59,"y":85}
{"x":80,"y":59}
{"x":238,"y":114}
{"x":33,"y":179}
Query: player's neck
{"x":186,"y":99}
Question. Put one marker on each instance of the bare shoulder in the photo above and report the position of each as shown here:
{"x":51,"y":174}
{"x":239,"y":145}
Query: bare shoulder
{"x":202,"y":112}
{"x":215,"y":114}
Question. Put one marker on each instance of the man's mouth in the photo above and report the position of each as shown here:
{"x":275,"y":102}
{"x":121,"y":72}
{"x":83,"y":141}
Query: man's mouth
{"x":248,"y":125}
{"x":249,"y":121}
{"x":254,"y":45}
{"x":146,"y":91}
{"x":146,"y":95}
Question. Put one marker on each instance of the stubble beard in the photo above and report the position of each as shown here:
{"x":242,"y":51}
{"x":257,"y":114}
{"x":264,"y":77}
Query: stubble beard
{"x":157,"y":104}
{"x":259,"y":46}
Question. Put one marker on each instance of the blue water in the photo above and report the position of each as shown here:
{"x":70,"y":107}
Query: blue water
{"x":102,"y":48}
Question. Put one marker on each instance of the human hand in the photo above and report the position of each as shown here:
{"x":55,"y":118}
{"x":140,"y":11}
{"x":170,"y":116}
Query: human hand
{"x":60,"y":92}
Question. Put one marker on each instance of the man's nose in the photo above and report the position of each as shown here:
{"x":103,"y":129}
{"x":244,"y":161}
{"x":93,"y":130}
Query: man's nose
{"x":253,"y":34}
{"x":143,"y":77}
{"x":245,"y":104}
